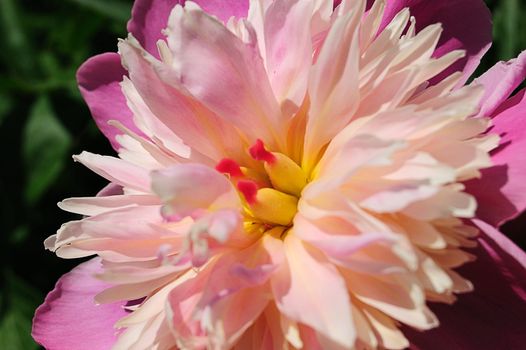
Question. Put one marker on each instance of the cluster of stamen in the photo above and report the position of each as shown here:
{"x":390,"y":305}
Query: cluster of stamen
{"x":270,"y":196}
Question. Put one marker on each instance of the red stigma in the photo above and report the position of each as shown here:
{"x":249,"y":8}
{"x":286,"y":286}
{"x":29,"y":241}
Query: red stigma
{"x":258,"y":152}
{"x":229,"y":166}
{"x":249,"y":189}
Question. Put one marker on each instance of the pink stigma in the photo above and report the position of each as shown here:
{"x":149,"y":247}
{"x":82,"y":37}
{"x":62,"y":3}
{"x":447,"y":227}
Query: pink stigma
{"x":258,"y":152}
{"x":249,"y":189}
{"x":229,"y":166}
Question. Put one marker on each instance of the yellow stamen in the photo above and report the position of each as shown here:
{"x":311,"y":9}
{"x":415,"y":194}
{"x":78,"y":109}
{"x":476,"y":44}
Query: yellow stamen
{"x":285,"y":175}
{"x":274,"y":207}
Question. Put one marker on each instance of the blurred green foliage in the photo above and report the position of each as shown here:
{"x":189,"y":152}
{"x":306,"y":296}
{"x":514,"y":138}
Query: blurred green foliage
{"x":43,"y":120}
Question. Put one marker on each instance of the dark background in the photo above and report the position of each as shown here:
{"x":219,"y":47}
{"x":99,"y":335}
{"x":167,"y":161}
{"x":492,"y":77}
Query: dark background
{"x":43,"y":121}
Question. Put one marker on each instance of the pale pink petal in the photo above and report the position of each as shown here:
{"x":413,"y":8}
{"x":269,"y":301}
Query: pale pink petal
{"x":324,"y":305}
{"x":500,"y":82}
{"x":110,"y":189}
{"x":494,"y":315}
{"x":210,"y":231}
{"x":69,"y":319}
{"x":116,"y":170}
{"x":207,"y":134}
{"x":339,"y":164}
{"x":181,"y":304}
{"x":337,"y":245}
{"x":333,"y":87}
{"x":124,"y":250}
{"x":399,"y":296}
{"x":98,"y":205}
{"x":223,"y":294}
{"x":234,"y":83}
{"x":152,"y":126}
{"x":126,"y":223}
{"x":228,"y":318}
{"x":187,"y":188}
{"x":501,"y":190}
{"x":467,"y":26}
{"x":99,"y":83}
{"x":288,"y":60}
{"x":150,"y":17}
{"x":266,"y":332}
{"x":250,"y":267}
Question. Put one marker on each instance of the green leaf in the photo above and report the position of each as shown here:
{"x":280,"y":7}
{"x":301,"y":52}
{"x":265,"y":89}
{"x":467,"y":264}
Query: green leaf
{"x":46,"y":145}
{"x":19,"y":301}
{"x":115,"y":9}
{"x":507,"y":22}
{"x":5,"y":106}
{"x":19,"y":235}
{"x":14,"y":39}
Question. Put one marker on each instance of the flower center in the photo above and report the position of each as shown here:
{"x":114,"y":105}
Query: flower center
{"x":270,"y":193}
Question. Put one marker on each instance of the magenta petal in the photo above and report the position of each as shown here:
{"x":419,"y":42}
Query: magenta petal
{"x":467,"y":26}
{"x":501,"y":191}
{"x":69,"y":319}
{"x":98,"y":80}
{"x":150,"y":17}
{"x":494,"y":315}
{"x":224,"y":9}
{"x":500,"y":82}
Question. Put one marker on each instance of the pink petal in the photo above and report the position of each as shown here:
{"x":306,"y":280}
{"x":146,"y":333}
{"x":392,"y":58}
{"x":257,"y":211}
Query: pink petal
{"x":234,"y":84}
{"x":494,"y":315}
{"x":150,"y":17}
{"x":69,"y":318}
{"x":467,"y":26}
{"x":168,"y":101}
{"x":99,"y":76}
{"x":500,"y":82}
{"x":288,"y":61}
{"x":98,"y":205}
{"x":501,"y":191}
{"x":337,"y":246}
{"x":116,"y":170}
{"x":110,"y":189}
{"x":99,"y":83}
{"x":332,"y":81}
{"x":311,"y":291}
{"x":224,"y":9}
{"x":189,"y":188}
{"x":223,"y":296}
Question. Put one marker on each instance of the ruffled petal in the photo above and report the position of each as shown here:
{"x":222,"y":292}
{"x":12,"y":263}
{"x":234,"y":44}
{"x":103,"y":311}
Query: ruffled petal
{"x":116,"y":170}
{"x":189,"y":189}
{"x":494,"y":315}
{"x":224,"y":73}
{"x":150,"y":17}
{"x":288,"y":61}
{"x":206,"y":134}
{"x":501,"y":190}
{"x":69,"y":318}
{"x":323,"y":305}
{"x":467,"y":26}
{"x":99,"y":83}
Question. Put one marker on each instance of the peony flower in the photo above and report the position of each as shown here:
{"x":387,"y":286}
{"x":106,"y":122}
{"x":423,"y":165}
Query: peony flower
{"x":297,"y":174}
